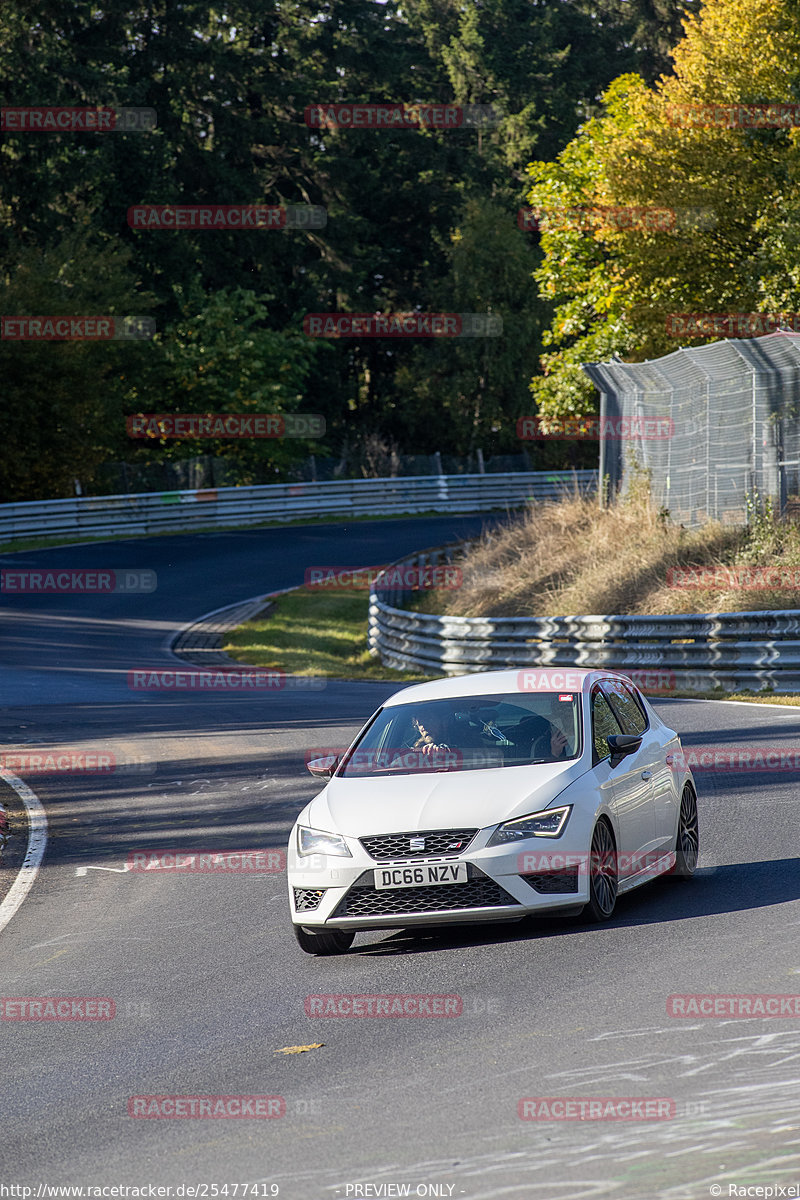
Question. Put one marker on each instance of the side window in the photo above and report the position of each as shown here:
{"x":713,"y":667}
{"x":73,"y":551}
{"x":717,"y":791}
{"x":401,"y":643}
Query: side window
{"x":603,"y":723}
{"x":626,"y":707}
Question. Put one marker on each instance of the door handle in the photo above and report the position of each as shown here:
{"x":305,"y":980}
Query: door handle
{"x":646,"y":774}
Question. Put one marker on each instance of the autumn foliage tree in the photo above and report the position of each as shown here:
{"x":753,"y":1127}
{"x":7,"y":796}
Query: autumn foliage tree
{"x":733,"y":242}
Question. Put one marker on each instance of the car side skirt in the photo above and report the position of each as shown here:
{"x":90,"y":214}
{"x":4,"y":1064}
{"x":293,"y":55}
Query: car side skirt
{"x":661,"y":866}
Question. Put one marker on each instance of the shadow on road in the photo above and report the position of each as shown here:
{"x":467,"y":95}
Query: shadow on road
{"x":713,"y":891}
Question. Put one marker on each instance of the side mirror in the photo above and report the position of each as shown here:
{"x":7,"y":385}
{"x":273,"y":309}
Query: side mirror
{"x":623,"y":744}
{"x":323,"y":768}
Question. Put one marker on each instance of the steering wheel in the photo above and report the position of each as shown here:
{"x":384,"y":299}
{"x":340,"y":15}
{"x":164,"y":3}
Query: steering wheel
{"x":541,"y":751}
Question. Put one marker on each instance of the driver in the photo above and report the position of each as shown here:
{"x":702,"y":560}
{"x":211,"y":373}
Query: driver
{"x":547,"y":740}
{"x":432,"y":731}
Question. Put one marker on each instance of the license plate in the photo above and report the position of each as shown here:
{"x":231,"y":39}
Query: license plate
{"x":420,"y":876}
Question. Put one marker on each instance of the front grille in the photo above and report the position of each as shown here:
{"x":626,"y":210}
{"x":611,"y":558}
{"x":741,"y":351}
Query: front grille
{"x":385,"y":846}
{"x":549,"y":883}
{"x":366,"y":901}
{"x":306,"y":899}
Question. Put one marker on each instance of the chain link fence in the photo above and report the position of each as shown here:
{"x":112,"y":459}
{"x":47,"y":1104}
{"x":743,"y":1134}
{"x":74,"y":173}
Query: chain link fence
{"x":734,"y":408}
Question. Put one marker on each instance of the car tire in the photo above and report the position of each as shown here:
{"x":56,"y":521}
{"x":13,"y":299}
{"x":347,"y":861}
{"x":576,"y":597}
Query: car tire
{"x":324,"y":941}
{"x":603,"y":881}
{"x":687,"y":842}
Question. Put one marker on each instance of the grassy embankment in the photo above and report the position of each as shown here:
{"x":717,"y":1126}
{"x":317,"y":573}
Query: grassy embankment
{"x":308,"y":632}
{"x":555,"y":560}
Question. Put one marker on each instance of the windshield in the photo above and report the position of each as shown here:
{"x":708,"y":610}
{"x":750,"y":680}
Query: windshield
{"x":467,"y":734}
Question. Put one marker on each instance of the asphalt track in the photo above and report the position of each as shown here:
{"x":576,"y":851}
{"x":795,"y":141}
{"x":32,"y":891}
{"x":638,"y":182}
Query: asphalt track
{"x":209,"y":984}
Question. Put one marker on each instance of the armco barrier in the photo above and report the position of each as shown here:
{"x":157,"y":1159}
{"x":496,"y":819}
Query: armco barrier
{"x":134,"y":515}
{"x":688,"y":652}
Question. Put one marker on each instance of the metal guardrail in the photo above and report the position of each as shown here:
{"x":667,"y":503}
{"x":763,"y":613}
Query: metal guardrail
{"x":691,"y":652}
{"x":137,"y":514}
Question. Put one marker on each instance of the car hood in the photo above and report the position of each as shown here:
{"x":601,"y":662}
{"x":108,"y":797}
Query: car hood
{"x":439,"y":800}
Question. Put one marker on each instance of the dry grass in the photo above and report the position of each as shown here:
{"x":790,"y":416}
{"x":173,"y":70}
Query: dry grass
{"x":573,"y":557}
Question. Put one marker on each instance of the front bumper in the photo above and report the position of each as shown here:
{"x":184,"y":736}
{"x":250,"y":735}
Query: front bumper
{"x":504,"y":883}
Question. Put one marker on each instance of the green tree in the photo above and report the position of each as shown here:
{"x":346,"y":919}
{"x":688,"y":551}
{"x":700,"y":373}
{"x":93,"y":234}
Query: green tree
{"x":230,"y":86}
{"x":62,"y":402}
{"x":466,"y":393}
{"x":222,"y":357}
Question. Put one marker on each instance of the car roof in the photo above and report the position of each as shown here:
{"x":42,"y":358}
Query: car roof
{"x":522,"y":680}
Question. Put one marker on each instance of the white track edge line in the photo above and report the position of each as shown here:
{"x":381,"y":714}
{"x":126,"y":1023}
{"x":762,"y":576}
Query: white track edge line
{"x":37,"y":841}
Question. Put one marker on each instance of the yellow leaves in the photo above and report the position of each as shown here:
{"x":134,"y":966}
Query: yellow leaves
{"x":609,"y":300}
{"x":736,"y":50}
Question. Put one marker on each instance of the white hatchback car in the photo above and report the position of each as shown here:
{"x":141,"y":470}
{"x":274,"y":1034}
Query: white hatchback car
{"x":490,"y":797}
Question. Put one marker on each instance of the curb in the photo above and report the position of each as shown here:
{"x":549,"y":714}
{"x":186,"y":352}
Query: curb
{"x":200,"y":643}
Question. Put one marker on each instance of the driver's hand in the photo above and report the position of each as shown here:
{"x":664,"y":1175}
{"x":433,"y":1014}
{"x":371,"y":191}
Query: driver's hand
{"x":433,"y":747}
{"x":558,"y":741}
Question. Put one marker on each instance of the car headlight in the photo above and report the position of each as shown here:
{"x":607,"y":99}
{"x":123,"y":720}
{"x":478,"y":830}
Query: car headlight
{"x":549,"y":823}
{"x":316,"y":841}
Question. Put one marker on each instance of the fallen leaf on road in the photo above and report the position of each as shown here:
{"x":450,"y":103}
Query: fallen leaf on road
{"x":299,"y":1049}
